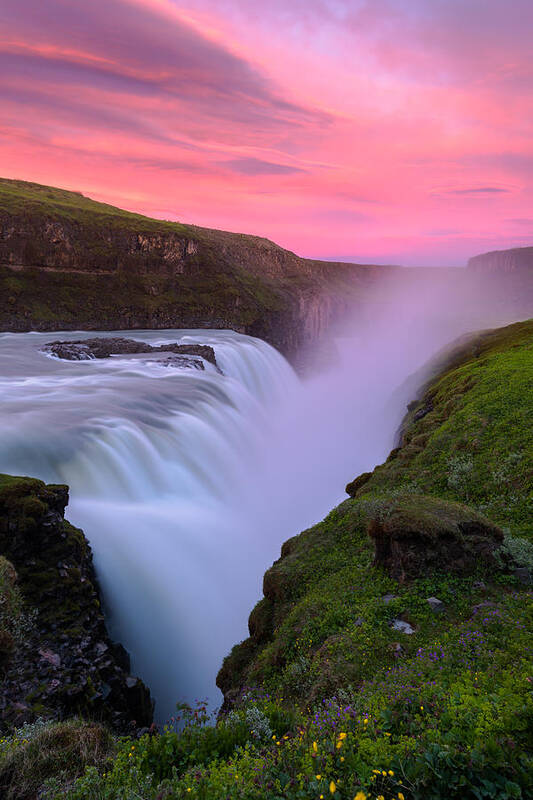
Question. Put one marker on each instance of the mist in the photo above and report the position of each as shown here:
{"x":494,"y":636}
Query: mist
{"x":186,"y":483}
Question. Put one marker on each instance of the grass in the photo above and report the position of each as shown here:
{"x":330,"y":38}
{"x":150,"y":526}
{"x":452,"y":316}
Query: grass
{"x":329,"y":700}
{"x":50,"y":753}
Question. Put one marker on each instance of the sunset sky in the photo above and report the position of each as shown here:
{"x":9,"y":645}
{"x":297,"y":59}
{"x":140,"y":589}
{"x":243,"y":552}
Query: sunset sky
{"x":396,"y":131}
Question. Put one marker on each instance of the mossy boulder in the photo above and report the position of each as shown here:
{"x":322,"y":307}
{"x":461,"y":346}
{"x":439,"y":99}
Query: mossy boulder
{"x":353,"y":487}
{"x":418,"y":535}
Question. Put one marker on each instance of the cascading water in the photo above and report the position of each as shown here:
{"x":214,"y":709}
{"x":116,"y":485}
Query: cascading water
{"x":187,"y":482}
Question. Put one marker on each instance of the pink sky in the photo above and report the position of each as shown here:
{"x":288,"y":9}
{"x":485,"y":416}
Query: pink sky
{"x":368,"y":130}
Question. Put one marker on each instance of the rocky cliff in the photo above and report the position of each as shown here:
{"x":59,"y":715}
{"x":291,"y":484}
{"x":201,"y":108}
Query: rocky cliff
{"x":56,"y":657}
{"x":516,"y":260}
{"x":67,"y":262}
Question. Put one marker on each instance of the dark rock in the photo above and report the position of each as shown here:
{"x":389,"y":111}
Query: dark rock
{"x":401,"y":625}
{"x":436,"y":605}
{"x":388,"y":598}
{"x":52,"y":658}
{"x":88,"y":349}
{"x":53,"y":672}
{"x":397,"y":649}
{"x":419,"y":535}
{"x":523,"y":575}
{"x":353,"y":487}
{"x":423,"y":410}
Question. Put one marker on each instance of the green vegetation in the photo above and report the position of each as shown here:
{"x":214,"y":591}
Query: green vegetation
{"x":30,"y":199}
{"x":68,"y":262}
{"x":352,"y":684}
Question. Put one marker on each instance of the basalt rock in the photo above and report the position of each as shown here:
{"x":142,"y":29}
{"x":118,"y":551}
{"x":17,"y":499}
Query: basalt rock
{"x":65,"y":663}
{"x":86,"y":349}
{"x":417,"y":535}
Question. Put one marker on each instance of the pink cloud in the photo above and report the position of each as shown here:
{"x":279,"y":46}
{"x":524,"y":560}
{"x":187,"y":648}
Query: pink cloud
{"x":371,"y":129}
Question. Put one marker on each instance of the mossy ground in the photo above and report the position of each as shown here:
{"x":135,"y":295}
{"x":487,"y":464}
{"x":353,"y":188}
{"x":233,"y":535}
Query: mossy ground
{"x":330,"y":700}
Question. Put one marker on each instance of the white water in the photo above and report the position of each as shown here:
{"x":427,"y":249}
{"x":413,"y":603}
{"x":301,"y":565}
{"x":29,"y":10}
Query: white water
{"x":186,"y":483}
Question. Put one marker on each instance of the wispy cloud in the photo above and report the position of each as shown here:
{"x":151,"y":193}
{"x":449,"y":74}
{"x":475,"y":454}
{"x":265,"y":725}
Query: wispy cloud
{"x":300,"y":116}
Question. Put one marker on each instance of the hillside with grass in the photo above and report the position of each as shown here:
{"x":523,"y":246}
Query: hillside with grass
{"x":390,"y":657}
{"x":68,"y":262}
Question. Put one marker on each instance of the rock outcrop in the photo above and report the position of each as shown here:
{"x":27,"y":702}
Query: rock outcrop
{"x":86,"y":349}
{"x":416,"y":536}
{"x":63,"y":662}
{"x":515,"y":260}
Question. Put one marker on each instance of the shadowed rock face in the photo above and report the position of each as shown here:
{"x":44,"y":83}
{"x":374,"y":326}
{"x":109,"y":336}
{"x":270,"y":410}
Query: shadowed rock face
{"x":65,"y":663}
{"x":417,"y":535}
{"x":86,"y":349}
{"x":517,"y":259}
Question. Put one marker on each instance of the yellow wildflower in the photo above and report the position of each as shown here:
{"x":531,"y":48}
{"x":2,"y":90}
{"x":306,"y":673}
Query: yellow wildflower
{"x":332,"y":787}
{"x":384,"y":774}
{"x":400,"y":796}
{"x":360,"y":796}
{"x":315,"y":747}
{"x":342,"y":736}
{"x":380,"y":797}
{"x":342,"y":758}
{"x":318,"y":777}
{"x":339,"y":744}
{"x":391,"y":773}
{"x":365,"y":721}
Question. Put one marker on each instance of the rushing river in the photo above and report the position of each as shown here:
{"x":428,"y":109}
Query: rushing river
{"x":186,"y":482}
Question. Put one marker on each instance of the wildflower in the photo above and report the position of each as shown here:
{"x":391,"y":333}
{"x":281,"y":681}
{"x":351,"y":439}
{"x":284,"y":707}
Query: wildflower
{"x":339,"y":744}
{"x":342,"y":736}
{"x":421,"y":708}
{"x":365,"y":722}
{"x":376,"y":771}
{"x":332,"y":787}
{"x":315,"y":747}
{"x":318,"y":777}
{"x":387,"y":734}
{"x":391,"y":773}
{"x":342,"y":758}
{"x":360,"y":796}
{"x":380,"y":797}
{"x":400,"y":796}
{"x":384,"y":774}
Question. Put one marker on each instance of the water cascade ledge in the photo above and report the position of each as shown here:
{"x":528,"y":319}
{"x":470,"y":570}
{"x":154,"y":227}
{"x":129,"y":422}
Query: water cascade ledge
{"x":186,"y":482}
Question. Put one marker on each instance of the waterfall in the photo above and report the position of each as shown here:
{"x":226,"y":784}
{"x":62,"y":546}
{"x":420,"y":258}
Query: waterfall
{"x":186,"y":482}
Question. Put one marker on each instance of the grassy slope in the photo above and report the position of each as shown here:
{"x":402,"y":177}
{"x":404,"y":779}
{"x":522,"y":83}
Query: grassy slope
{"x":342,"y":703}
{"x":101,"y":279}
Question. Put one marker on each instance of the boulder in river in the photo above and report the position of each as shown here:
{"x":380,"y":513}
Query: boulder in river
{"x":104,"y":347}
